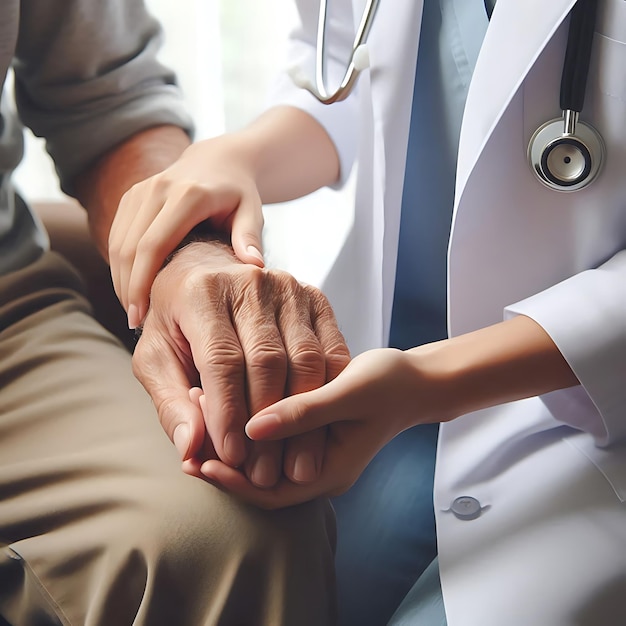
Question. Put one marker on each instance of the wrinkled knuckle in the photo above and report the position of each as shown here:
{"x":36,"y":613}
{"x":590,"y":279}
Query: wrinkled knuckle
{"x":199,"y":285}
{"x":337,"y":361}
{"x":192,"y":284}
{"x":255,"y":277}
{"x":284,"y":280}
{"x":314,"y":292}
{"x":321,"y":306}
{"x":316,"y":296}
{"x":307,"y":359}
{"x":267,"y":358}
{"x":250,"y":290}
{"x":336,"y":346}
{"x":223,"y":354}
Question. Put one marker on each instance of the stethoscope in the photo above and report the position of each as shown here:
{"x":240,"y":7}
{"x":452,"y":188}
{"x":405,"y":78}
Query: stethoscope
{"x":359,"y":58}
{"x":564,"y":153}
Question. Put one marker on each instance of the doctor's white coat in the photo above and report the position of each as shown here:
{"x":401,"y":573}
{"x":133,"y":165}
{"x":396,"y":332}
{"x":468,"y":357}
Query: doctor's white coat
{"x":549,"y":547}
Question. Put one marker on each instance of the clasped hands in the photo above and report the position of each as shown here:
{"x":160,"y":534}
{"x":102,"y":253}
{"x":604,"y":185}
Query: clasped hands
{"x":248,"y":371}
{"x":224,"y":341}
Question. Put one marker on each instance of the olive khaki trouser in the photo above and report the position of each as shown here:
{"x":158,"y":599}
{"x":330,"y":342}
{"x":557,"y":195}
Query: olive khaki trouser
{"x":98,"y":524}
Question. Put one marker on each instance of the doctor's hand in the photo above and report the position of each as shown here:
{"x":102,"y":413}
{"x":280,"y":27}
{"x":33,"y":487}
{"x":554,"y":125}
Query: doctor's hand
{"x":247,"y":336}
{"x":383,"y":392}
{"x":378,"y":395}
{"x":212,"y":183}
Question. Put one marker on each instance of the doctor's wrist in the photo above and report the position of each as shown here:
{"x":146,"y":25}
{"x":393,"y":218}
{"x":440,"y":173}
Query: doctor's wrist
{"x":505,"y":362}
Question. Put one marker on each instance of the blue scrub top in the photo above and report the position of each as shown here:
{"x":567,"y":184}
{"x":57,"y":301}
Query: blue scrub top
{"x":451,"y":36}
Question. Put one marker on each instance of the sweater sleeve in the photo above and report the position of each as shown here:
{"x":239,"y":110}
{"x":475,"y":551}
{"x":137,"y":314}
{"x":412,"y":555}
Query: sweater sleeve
{"x":87,"y":77}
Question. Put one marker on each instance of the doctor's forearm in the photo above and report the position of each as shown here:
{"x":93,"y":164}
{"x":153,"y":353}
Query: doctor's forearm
{"x":508,"y":361}
{"x":290,"y":153}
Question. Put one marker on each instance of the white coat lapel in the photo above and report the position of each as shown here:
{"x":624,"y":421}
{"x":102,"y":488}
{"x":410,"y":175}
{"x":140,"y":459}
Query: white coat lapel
{"x":518,"y":32}
{"x":393,"y":54}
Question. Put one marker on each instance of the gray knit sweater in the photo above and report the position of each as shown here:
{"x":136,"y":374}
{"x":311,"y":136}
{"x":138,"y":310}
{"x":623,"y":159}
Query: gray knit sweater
{"x":86,"y":77}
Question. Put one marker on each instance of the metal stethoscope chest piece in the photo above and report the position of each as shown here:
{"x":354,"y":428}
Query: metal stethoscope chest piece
{"x":566,"y":154}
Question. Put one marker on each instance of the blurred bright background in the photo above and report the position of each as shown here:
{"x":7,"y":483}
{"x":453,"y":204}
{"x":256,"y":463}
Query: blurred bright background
{"x":225,"y":53}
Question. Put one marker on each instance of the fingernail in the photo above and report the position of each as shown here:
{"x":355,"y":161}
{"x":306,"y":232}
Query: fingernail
{"x":181,"y":440}
{"x":304,"y":469}
{"x":255,"y":252}
{"x":264,"y":472}
{"x":133,"y":317}
{"x":235,"y":448}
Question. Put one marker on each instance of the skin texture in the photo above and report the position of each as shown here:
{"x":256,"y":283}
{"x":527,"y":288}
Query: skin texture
{"x":222,"y":183}
{"x":247,"y":336}
{"x":225,"y":339}
{"x":383,"y":392}
{"x":101,"y":186}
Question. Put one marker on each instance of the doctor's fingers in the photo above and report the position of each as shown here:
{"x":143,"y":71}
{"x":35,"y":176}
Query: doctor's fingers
{"x":247,"y":229}
{"x":348,"y":452}
{"x":160,"y":226}
{"x":158,"y":229}
{"x":167,"y":380}
{"x":348,"y":398}
{"x":377,"y":393}
{"x":129,"y":206}
{"x":284,"y":493}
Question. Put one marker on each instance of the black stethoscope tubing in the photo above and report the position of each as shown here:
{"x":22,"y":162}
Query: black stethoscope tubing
{"x":577,"y":52}
{"x":578,"y":55}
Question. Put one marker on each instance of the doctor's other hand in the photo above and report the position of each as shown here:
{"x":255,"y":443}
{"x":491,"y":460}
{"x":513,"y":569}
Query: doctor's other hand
{"x":247,"y":337}
{"x":378,"y":395}
{"x":383,"y":392}
{"x":210,"y":183}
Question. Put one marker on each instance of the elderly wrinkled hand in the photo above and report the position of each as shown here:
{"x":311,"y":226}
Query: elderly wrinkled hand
{"x":248,"y":337}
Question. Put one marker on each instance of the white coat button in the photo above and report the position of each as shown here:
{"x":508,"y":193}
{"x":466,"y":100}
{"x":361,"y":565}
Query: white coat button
{"x":466,"y":508}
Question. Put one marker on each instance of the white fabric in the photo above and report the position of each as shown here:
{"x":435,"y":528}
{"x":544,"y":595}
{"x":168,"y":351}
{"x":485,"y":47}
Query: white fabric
{"x":549,"y":545}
